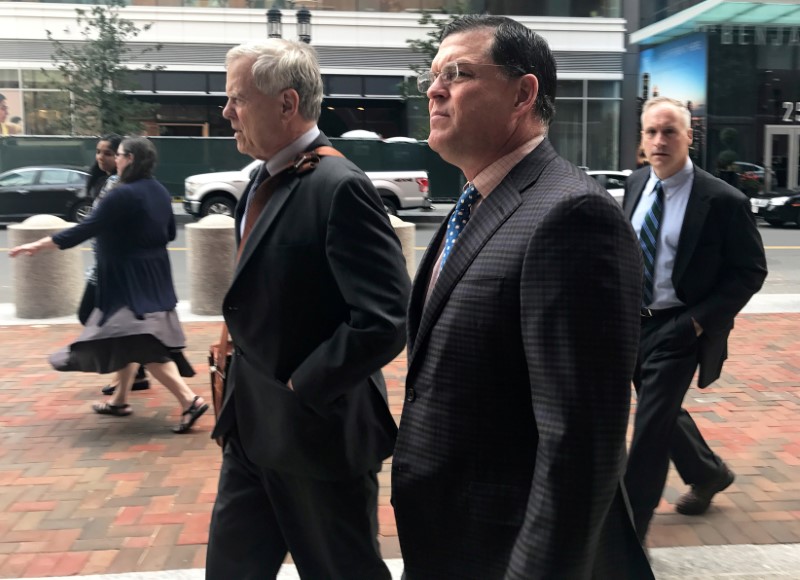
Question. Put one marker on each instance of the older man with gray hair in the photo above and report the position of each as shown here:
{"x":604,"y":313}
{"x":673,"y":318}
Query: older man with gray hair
{"x":315,"y":309}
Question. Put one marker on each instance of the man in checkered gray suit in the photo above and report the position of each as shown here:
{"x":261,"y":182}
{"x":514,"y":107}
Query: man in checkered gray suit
{"x":523,"y":329}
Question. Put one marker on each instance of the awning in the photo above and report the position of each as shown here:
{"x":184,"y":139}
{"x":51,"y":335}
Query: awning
{"x":782,"y":13}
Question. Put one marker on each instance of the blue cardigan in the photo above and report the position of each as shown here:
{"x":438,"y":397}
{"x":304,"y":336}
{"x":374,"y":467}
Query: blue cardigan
{"x":132,"y":227}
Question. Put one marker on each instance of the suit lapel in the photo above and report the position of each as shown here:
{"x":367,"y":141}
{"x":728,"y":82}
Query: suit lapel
{"x":696,"y":211}
{"x":637,"y":182}
{"x":276,"y":201}
{"x":266,"y":220}
{"x":421,"y":282}
{"x":491,"y":214}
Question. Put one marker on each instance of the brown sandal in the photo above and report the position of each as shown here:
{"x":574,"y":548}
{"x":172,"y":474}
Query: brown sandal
{"x":193,"y":412}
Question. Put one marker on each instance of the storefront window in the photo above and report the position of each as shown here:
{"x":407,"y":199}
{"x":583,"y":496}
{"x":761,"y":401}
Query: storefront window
{"x":586,"y":125}
{"x":566,"y":131}
{"x":46,"y":112}
{"x":566,"y":89}
{"x":9,"y":79}
{"x":602,"y":131}
{"x":38,"y":79}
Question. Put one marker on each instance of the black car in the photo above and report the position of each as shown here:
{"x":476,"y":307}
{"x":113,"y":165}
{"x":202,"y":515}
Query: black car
{"x":778,"y":210}
{"x":59,"y":191}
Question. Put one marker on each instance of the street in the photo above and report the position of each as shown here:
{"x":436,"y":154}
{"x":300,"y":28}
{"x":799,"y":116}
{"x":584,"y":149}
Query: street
{"x":782,"y":244}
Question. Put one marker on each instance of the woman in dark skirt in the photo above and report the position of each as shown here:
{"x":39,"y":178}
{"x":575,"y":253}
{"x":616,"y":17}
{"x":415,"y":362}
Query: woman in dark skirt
{"x":134,"y":320}
{"x":102,"y":178}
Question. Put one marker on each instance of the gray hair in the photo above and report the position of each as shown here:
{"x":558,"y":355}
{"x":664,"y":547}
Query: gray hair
{"x":285,"y":64}
{"x":686,"y":114}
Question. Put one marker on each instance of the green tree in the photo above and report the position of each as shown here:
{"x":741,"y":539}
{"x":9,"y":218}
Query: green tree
{"x":427,"y":47}
{"x":95,"y":74}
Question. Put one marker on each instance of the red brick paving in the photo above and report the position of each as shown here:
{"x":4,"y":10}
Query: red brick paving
{"x":84,"y":494}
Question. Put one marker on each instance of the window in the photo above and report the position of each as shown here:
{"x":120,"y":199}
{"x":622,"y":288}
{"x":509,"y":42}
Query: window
{"x":615,"y":182}
{"x":38,"y":79}
{"x":181,"y":81}
{"x":9,"y":79}
{"x":55,"y":177}
{"x":586,"y":126}
{"x":17,"y":179}
{"x":344,"y":85}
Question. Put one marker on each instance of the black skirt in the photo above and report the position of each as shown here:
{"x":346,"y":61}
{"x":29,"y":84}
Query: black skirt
{"x":124,"y":339}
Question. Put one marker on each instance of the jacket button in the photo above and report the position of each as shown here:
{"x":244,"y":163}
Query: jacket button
{"x":231,"y":308}
{"x":238,"y":351}
{"x":410,"y":394}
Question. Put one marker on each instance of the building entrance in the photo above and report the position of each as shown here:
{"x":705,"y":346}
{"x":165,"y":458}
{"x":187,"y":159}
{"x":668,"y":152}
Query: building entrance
{"x":781,"y":158}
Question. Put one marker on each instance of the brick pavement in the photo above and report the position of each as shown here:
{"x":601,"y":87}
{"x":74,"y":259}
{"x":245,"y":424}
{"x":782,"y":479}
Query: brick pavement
{"x":84,"y":494}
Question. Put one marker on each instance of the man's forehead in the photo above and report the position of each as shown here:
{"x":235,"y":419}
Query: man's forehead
{"x":473,"y":43}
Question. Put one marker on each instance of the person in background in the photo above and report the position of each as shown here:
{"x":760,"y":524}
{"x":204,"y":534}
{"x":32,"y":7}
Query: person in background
{"x":703,"y":260}
{"x":523,"y":328}
{"x":102,"y":178}
{"x":134,"y":320}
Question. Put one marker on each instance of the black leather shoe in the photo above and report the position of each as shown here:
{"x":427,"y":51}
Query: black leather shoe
{"x":137,"y":386}
{"x":696,"y":501}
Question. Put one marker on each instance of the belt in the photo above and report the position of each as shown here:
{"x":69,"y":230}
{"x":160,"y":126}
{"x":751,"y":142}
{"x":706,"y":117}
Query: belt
{"x":650,"y":313}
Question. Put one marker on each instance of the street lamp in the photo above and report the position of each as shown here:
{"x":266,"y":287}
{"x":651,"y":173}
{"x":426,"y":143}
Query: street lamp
{"x":304,"y":25}
{"x":274,"y":26}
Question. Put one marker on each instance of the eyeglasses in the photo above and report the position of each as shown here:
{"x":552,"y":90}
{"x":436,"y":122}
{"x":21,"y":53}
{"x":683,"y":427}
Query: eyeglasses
{"x":121,"y":154}
{"x":450,"y":73}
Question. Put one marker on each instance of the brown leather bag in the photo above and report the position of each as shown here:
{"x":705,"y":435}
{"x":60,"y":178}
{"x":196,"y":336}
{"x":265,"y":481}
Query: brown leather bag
{"x":220,"y":353}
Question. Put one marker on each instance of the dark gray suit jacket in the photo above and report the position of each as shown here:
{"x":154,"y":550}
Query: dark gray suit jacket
{"x":720,"y":262}
{"x":319,"y":297}
{"x":511,"y":448}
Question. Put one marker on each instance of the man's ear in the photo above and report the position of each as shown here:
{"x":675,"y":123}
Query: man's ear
{"x":527,"y":93}
{"x":290,"y":102}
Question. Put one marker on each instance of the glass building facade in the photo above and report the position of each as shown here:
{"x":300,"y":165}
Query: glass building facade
{"x":573,"y":8}
{"x":737,"y":64}
{"x":366,"y":85}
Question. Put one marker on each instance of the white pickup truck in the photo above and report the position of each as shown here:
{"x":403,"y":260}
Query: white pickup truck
{"x":217,"y":193}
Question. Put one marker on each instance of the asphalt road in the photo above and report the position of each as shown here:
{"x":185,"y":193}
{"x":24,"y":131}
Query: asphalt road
{"x":783,"y":258}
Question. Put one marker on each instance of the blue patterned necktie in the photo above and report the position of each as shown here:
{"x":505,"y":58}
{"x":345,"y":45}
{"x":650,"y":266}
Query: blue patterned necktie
{"x":648,"y":240}
{"x":459,"y":220}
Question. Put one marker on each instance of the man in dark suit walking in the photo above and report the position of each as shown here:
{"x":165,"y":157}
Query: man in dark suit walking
{"x":523,"y":327}
{"x":315,"y":309}
{"x":703,"y":260}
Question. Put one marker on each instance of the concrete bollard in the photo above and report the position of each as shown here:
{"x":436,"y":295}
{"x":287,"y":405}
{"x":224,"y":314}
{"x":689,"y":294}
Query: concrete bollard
{"x":211,"y":244}
{"x":406,"y":232}
{"x":51,"y":283}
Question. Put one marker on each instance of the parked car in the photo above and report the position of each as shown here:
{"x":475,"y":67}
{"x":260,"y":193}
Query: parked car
{"x":778,"y":210}
{"x":743,"y":167}
{"x":59,"y":191}
{"x":613,"y":181}
{"x":217,"y":193}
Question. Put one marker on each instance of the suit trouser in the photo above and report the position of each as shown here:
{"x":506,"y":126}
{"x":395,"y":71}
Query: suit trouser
{"x":329,"y":527}
{"x":663,"y":430}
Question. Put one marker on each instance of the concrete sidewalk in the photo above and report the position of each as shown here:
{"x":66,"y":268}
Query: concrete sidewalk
{"x":89,"y":495}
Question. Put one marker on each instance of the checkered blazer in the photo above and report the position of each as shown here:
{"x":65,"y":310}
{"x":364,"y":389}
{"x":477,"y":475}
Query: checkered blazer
{"x":512,"y":438}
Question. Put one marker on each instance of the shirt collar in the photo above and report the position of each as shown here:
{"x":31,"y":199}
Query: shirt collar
{"x":488,"y":179}
{"x":295,"y":148}
{"x":674,"y":182}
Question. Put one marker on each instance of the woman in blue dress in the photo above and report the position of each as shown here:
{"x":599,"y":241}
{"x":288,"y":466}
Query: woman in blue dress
{"x":134,"y":320}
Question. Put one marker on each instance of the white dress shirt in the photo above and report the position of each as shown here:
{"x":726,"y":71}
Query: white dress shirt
{"x":280,"y":160}
{"x":676,"y":195}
